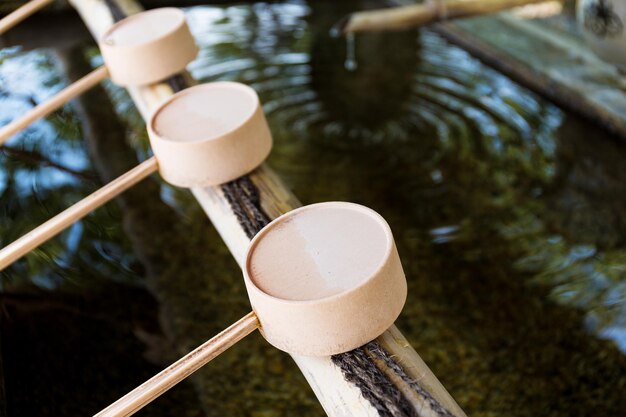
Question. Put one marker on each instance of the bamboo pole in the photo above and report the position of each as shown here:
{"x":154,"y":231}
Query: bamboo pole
{"x":63,"y":220}
{"x":21,"y":13}
{"x":54,"y":103}
{"x":338,"y":397}
{"x":147,"y":392}
{"x":405,"y":17}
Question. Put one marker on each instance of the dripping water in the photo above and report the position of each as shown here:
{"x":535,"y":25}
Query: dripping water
{"x":350,"y":63}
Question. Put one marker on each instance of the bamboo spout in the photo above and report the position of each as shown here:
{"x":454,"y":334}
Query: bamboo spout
{"x":433,"y":11}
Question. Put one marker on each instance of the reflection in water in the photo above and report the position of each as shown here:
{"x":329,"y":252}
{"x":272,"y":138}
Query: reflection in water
{"x":507,"y":212}
{"x":75,"y":314}
{"x":45,"y":169}
{"x":579,"y":250}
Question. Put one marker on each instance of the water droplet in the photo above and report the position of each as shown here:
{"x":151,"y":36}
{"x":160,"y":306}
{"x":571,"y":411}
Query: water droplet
{"x":350,"y":63}
{"x":437,"y":176}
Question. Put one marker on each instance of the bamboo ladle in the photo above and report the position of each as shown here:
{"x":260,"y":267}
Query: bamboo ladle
{"x":21,"y":13}
{"x":202,"y":136}
{"x":322,"y":279}
{"x":139,"y":50}
{"x":431,"y":11}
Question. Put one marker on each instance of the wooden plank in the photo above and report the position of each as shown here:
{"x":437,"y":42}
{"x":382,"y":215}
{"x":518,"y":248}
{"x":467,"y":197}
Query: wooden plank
{"x":548,"y":60}
{"x":338,"y":396}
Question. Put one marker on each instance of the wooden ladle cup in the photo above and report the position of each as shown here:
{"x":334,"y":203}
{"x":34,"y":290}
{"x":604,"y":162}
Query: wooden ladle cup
{"x":322,"y":279}
{"x":139,"y":50}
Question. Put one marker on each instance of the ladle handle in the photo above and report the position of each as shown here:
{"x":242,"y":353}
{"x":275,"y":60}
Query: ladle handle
{"x":61,"y":221}
{"x":21,"y":13}
{"x":172,"y":375}
{"x":47,"y":107}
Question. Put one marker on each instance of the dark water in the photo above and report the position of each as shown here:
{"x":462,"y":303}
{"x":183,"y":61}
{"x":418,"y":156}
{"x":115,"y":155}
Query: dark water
{"x":508,"y":214}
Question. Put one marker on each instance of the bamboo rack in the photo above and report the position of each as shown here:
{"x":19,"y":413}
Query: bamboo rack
{"x":432,"y":11}
{"x":338,"y":396}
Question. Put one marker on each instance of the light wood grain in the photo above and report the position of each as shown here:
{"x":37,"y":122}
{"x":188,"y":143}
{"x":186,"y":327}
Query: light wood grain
{"x":54,"y":103}
{"x":141,"y":396}
{"x":21,"y":13}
